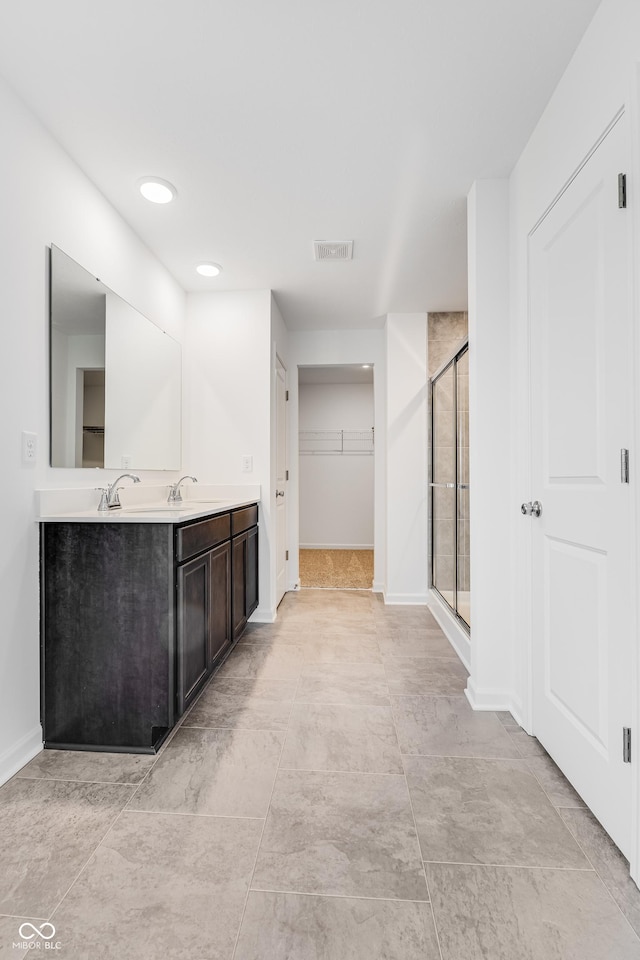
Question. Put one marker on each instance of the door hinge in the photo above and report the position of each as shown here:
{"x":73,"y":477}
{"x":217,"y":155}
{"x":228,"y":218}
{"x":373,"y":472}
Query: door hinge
{"x":626,"y":744}
{"x":624,"y":465}
{"x":622,"y":190}
{"x":286,"y":394}
{"x":286,"y":554}
{"x":286,"y":474}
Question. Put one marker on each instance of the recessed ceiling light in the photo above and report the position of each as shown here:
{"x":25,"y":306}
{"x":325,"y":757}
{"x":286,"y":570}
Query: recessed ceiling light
{"x":157,"y":190}
{"x":209,"y":269}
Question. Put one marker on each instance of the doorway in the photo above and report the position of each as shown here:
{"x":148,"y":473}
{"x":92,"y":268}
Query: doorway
{"x":336,"y":476}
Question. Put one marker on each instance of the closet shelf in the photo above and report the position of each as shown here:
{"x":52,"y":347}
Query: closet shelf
{"x":332,"y":442}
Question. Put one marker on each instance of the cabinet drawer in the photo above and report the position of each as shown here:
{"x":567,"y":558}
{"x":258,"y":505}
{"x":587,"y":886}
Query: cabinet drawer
{"x":201,"y":536}
{"x":243,"y":519}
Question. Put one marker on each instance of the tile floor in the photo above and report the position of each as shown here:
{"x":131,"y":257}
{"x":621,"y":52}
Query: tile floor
{"x":331,"y":796}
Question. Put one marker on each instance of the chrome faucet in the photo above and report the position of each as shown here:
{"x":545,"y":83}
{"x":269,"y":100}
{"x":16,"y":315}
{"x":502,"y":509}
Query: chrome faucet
{"x":175,"y":496}
{"x":110,"y":499}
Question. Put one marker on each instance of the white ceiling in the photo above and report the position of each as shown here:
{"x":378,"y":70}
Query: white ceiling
{"x":285,"y":122}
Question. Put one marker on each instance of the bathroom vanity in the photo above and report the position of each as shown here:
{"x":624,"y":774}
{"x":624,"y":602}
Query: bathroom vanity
{"x":137,"y":610}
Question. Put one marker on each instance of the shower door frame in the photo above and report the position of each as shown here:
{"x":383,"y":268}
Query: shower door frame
{"x":452,"y":362}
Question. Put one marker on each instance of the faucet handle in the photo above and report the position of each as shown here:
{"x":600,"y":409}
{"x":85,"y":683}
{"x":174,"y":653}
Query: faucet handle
{"x":103,"y":506}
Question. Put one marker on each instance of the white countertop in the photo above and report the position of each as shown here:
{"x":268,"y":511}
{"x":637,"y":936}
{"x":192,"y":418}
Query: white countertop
{"x":142,"y":504}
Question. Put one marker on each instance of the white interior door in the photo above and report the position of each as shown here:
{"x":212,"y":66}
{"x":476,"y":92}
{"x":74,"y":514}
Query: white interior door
{"x":582,"y":543}
{"x":281,"y":480}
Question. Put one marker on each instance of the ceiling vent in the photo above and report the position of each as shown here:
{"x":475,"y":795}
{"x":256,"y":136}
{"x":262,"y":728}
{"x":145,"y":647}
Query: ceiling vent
{"x":333,"y":249}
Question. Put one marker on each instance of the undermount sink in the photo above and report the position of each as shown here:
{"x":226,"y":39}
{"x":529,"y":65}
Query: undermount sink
{"x":180,"y":507}
{"x":204,"y":500}
{"x":159,"y":508}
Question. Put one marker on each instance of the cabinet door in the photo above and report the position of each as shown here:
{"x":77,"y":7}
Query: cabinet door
{"x":220,"y":607}
{"x":194,"y":595}
{"x":238,"y":593}
{"x":251,"y":593}
{"x":244,"y":560}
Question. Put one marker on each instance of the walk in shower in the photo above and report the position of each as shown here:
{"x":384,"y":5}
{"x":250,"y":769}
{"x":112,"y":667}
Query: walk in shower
{"x":450,"y":484}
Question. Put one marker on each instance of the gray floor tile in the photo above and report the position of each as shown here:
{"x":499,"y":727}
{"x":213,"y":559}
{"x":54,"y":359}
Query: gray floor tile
{"x":224,"y":773}
{"x":273,"y":635}
{"x":415,"y":675}
{"x":286,"y":926}
{"x":347,"y":649}
{"x":554,"y":783}
{"x":429,"y":643}
{"x":335,"y":626}
{"x":506,"y":913}
{"x":10,"y":933}
{"x":507,"y":719}
{"x":448,"y":727}
{"x":344,"y":834}
{"x":248,"y":704}
{"x":356,"y":683}
{"x":264,"y":662}
{"x":161,"y":886}
{"x":49,"y":830}
{"x":609,"y":863}
{"x":527,"y":746}
{"x":487,"y":811}
{"x":341,"y":737}
{"x":87,"y":766}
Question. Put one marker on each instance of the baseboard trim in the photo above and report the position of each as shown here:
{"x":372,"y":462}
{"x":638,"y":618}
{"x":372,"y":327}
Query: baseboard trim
{"x":20,"y":753}
{"x":487,"y":699}
{"x":455,"y":634}
{"x":377,"y":587}
{"x":408,"y":599}
{"x":336,"y":546}
{"x":263,"y":615}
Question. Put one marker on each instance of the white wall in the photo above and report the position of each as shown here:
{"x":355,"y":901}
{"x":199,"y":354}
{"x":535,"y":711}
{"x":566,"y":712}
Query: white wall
{"x":336,"y":491}
{"x":407,"y":568}
{"x":327,"y":347}
{"x":45,"y":198}
{"x":490,"y":464}
{"x":228,"y":406}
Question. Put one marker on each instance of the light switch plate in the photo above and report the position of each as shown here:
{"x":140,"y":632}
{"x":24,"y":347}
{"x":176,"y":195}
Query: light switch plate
{"x":247,"y":464}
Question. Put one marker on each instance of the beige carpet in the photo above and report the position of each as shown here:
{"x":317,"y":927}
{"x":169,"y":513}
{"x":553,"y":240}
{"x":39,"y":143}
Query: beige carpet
{"x":337,"y":569}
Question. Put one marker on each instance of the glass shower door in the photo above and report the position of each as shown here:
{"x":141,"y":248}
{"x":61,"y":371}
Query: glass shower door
{"x":443,"y":513}
{"x":450,"y":484}
{"x":463,"y":573}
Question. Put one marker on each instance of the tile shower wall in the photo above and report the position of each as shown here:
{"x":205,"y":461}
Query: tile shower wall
{"x":446,"y":334}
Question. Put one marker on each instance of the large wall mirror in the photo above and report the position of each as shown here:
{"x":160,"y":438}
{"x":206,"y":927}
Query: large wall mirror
{"x":116,"y":378}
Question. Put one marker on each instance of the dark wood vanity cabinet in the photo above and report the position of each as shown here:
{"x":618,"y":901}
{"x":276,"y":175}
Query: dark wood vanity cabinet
{"x":134,"y":618}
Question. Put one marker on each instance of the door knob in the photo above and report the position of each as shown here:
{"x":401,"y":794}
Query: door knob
{"x":279,"y":493}
{"x":531,"y":509}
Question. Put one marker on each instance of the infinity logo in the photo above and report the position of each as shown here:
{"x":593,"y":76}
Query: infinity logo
{"x":37,"y":932}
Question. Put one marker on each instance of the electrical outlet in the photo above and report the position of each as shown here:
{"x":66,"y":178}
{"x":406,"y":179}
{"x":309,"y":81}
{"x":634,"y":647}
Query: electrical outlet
{"x":125,"y":461}
{"x":29,"y":447}
{"x":247,"y":464}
